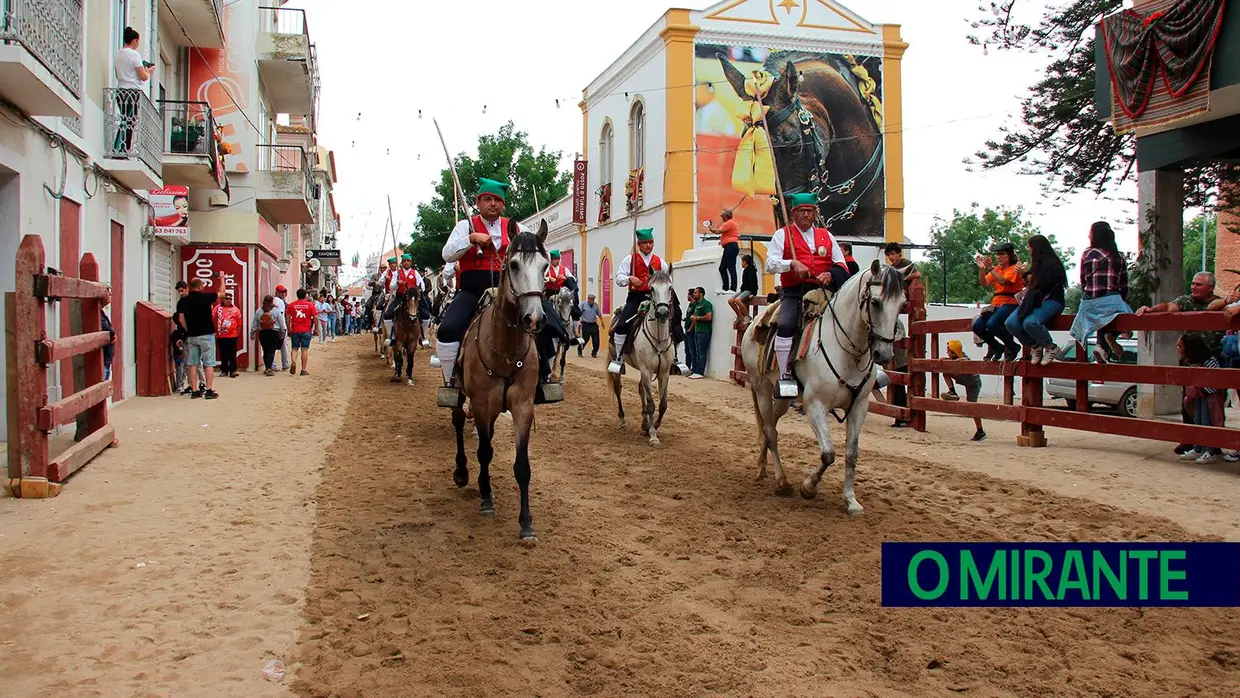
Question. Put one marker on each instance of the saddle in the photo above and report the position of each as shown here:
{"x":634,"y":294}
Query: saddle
{"x":632,"y":324}
{"x":814,"y":306}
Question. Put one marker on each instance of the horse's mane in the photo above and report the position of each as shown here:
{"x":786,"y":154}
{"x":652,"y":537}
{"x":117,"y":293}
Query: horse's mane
{"x":893,"y":282}
{"x":526,"y":243}
{"x":660,"y":275}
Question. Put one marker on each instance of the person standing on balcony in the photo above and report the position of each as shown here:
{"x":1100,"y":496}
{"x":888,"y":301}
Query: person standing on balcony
{"x":132,"y":74}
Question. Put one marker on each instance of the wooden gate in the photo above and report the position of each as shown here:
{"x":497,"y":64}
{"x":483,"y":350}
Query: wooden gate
{"x":32,"y":471}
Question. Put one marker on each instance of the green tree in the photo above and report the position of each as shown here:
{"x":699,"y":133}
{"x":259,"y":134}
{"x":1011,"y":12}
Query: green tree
{"x":1192,"y":247}
{"x":1058,"y":135}
{"x":969,"y":233}
{"x":506,"y":155}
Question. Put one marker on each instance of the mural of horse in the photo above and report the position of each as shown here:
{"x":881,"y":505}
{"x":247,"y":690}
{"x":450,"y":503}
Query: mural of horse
{"x":825,"y":134}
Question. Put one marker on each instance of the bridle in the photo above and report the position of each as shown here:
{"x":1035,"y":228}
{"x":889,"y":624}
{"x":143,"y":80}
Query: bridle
{"x":865,"y":297}
{"x":523,"y":347}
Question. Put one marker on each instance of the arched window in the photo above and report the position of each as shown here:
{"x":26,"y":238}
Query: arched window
{"x":606,"y":146}
{"x":637,"y":136}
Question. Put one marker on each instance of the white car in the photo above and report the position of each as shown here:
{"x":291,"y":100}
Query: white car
{"x":1121,"y":396}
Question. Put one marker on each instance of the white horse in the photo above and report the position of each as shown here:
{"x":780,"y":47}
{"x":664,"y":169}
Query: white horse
{"x":838,"y":372}
{"x":651,"y":352}
{"x":563,"y":304}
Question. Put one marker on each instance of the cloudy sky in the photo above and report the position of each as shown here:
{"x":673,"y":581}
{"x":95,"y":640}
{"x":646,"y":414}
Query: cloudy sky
{"x":476,"y":65}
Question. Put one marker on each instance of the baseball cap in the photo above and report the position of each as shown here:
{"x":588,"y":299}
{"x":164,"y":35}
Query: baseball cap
{"x":955,"y":345}
{"x":281,"y":288}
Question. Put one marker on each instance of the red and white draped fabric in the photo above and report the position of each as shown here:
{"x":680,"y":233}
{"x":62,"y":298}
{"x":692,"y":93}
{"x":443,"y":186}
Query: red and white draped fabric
{"x":1173,"y":39}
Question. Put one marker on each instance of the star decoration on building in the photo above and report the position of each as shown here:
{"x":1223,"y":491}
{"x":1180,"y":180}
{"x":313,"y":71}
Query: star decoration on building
{"x":788,"y":5}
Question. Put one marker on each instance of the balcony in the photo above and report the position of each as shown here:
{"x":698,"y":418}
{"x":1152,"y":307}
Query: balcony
{"x":201,"y":20}
{"x":41,"y":56}
{"x":133,"y":132}
{"x":287,"y":62}
{"x":284,"y":188}
{"x":190,"y":157}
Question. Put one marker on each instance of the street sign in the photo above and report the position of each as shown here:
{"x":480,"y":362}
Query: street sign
{"x":328,"y":258}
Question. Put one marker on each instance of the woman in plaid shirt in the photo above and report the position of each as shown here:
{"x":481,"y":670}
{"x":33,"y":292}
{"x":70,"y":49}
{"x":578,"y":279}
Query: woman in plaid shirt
{"x":1104,"y":284}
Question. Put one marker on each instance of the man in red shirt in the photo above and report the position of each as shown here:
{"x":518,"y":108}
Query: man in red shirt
{"x":302,"y":319}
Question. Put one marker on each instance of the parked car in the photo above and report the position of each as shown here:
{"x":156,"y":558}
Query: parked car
{"x":1121,"y":396}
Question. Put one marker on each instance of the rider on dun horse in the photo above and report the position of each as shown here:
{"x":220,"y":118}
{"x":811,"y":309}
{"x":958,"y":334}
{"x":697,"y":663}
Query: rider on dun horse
{"x":399,"y":282}
{"x":478,"y":244}
{"x":635,"y":274}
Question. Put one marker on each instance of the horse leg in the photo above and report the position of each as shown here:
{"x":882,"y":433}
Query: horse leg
{"x":772,"y":411}
{"x":486,"y":430}
{"x":852,"y":446}
{"x":663,"y":379}
{"x":460,"y":476}
{"x":396,"y":362}
{"x":763,"y":442}
{"x":410,"y":350}
{"x":522,"y":420}
{"x":616,"y":385}
{"x":647,"y":400}
{"x":817,"y":413}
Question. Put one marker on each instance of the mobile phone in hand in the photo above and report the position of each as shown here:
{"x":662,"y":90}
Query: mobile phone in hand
{"x":148,"y":64}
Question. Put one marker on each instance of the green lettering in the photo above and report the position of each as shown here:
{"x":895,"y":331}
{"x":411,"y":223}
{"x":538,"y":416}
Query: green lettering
{"x":1038,"y":577}
{"x":944,"y":575}
{"x":1143,"y":578}
{"x":1074,"y":566}
{"x":1015,"y":593}
{"x":1102,"y":568}
{"x":1166,"y":574}
{"x":969,"y":576}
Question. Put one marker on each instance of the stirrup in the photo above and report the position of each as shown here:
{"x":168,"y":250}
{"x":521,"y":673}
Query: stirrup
{"x":681,"y":368}
{"x":549,"y":393}
{"x":787,"y":389}
{"x":426,"y":344}
{"x":619,"y":371}
{"x":449,"y":396}
{"x":435,"y":361}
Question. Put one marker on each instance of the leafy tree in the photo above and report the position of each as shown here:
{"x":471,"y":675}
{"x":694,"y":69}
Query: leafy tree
{"x":1192,"y":247}
{"x":1072,"y":298}
{"x":1059,"y":135}
{"x":969,"y":233}
{"x":506,"y":155}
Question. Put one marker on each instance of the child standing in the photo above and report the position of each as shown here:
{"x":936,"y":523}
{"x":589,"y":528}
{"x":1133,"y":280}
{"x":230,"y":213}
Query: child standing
{"x":971,"y":381}
{"x":1203,"y":405}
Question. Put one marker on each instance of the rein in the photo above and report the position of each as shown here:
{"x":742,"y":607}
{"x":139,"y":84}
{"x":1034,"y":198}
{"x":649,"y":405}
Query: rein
{"x":863,"y":301}
{"x":509,"y":358}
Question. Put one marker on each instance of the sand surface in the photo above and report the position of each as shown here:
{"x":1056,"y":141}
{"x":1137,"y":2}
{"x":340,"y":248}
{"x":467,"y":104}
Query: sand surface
{"x":314,"y":519}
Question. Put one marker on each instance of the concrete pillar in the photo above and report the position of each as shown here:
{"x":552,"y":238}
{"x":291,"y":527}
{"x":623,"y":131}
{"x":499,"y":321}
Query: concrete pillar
{"x":1160,"y":200}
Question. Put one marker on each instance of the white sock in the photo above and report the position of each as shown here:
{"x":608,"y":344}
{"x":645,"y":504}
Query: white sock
{"x":426,"y":329}
{"x":389,"y":324}
{"x":447,"y":358}
{"x":783,"y":347}
{"x":620,"y":340}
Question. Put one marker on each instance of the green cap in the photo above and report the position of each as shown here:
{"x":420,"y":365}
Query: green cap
{"x":391,"y":259}
{"x":555,"y":253}
{"x":406,"y":256}
{"x":796,"y":201}
{"x":492,"y":187}
{"x":645,"y":234}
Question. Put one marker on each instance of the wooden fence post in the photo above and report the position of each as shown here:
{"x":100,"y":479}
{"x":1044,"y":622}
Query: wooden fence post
{"x":31,"y":326}
{"x":917,"y":350}
{"x":92,"y":321}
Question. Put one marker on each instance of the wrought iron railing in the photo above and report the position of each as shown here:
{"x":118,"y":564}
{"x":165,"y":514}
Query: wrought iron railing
{"x":51,"y":30}
{"x":189,"y":129}
{"x":133,"y":127}
{"x":288,"y":158}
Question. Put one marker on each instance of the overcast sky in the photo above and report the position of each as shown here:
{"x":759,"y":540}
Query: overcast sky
{"x":383,"y":61}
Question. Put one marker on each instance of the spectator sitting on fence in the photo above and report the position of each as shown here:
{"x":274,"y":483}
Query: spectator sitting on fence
{"x":1045,"y":284}
{"x":1200,"y":297}
{"x":972,"y":383}
{"x":1005,"y":277}
{"x":1104,"y":292}
{"x":749,"y":288}
{"x":1203,"y":405}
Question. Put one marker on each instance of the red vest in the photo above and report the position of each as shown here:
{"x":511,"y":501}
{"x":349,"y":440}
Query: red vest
{"x":556,"y":277}
{"x":491,"y":259}
{"x":639,"y":276}
{"x":818,"y":260}
{"x":406,"y":278}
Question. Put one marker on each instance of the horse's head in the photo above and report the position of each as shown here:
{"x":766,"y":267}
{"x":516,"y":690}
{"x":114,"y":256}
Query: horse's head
{"x":563,"y":303}
{"x":661,"y":294}
{"x":412,"y":302}
{"x":882,"y":300}
{"x":525,"y":274}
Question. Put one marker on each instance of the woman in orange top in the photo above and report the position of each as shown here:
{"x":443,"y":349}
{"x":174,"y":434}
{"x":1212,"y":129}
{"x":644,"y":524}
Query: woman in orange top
{"x":1006,"y":277}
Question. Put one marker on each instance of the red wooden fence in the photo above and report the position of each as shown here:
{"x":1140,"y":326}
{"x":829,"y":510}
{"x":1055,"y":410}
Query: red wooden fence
{"x":32,"y":470}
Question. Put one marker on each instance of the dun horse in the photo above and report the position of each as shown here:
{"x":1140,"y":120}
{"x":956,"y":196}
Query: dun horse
{"x":498,"y":367}
{"x":650,"y":352}
{"x":838,"y":372}
{"x":407,"y":335}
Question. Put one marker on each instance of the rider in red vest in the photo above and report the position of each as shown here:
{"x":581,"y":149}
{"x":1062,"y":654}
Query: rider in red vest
{"x":559,"y":275}
{"x":634,"y":273}
{"x":399,"y":282}
{"x":478,"y":245}
{"x":805,"y":257}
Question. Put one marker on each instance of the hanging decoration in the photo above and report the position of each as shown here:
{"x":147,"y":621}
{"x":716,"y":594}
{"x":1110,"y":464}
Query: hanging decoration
{"x":633,"y":190}
{"x":1169,"y":42}
{"x":754,"y":168}
{"x":604,"y":203}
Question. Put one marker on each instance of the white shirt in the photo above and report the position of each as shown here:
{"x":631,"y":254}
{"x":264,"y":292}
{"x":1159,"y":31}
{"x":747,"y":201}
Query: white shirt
{"x":390,"y":278}
{"x":553,"y":272}
{"x":458,"y":242}
{"x":448,"y":273}
{"x":280,"y":304}
{"x":626,"y":267}
{"x":775,"y":262}
{"x":126,"y":65}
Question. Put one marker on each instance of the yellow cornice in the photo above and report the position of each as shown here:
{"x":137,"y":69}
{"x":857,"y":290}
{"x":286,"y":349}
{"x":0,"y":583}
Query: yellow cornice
{"x":893,"y":46}
{"x":680,"y":32}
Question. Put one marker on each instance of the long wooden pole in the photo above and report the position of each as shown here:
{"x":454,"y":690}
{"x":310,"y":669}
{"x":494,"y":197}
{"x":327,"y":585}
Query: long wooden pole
{"x":392,"y":221}
{"x":456,"y":181}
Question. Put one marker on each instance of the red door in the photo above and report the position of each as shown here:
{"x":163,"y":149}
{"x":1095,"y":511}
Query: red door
{"x":117,"y":311}
{"x":604,"y":283}
{"x":70,"y":258}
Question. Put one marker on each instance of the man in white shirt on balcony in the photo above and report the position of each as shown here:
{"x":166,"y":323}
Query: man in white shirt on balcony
{"x":131,"y":77}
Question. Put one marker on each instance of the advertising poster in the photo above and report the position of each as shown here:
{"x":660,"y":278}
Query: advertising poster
{"x":825,"y":114}
{"x":170,"y":212}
